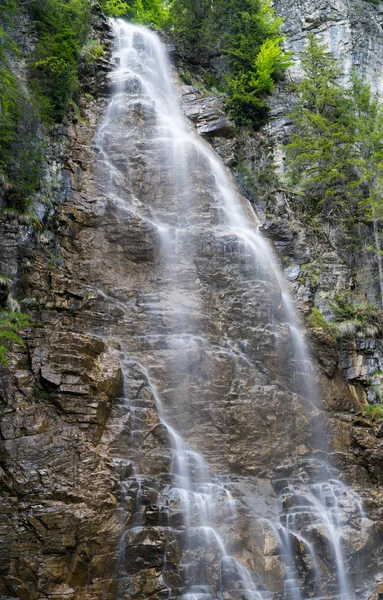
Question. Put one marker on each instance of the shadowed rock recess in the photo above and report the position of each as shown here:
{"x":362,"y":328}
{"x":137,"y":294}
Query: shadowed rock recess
{"x":163,"y":434}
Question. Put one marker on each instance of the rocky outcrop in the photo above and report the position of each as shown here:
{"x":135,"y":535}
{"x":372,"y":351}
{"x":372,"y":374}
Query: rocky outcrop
{"x":88,"y":505}
{"x":351,"y":28}
{"x":56,"y":398}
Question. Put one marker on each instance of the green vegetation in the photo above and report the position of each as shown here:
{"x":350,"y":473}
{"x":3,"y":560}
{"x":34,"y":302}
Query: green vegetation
{"x":114,"y":8}
{"x":375,"y":411}
{"x":348,"y":319}
{"x":8,"y":11}
{"x":335,"y":155}
{"x":312,"y":271}
{"x":63,"y":27}
{"x":43,"y":394}
{"x":353,"y":318}
{"x":317,"y":320}
{"x":317,"y":158}
{"x":9,"y":101}
{"x":20,"y":146}
{"x":334,"y":158}
{"x":247,"y":33}
{"x":11,"y":324}
{"x":148,"y":12}
{"x":92,"y":51}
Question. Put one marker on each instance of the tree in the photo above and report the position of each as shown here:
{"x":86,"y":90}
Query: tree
{"x":63,"y":26}
{"x":114,"y":8}
{"x":254,"y":46}
{"x":149,"y":12}
{"x":318,"y":155}
{"x":367,"y":124}
{"x":335,"y":154}
{"x":247,"y":33}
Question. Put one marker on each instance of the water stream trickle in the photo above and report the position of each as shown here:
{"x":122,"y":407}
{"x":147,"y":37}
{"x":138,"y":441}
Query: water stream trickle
{"x":143,"y":88}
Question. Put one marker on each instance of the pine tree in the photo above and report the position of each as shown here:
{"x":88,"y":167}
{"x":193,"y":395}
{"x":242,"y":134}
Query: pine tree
{"x":335,"y":154}
{"x":318,"y":155}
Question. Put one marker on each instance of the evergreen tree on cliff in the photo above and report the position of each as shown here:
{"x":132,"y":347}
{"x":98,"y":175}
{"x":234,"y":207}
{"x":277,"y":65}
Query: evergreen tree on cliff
{"x":335,"y":154}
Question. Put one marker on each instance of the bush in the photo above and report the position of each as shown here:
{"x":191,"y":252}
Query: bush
{"x":148,"y":12}
{"x":352,"y":319}
{"x":114,"y":8}
{"x":62,"y":27}
{"x":10,"y":94}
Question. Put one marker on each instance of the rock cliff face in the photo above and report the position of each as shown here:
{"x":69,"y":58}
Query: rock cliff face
{"x":158,"y":321}
{"x":352,"y":30}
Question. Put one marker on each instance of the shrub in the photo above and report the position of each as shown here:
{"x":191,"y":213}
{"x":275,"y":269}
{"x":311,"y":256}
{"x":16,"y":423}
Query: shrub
{"x":114,"y":8}
{"x":148,"y":12}
{"x":20,"y":145}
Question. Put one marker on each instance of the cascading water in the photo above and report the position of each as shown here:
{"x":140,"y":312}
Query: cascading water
{"x":198,"y":227}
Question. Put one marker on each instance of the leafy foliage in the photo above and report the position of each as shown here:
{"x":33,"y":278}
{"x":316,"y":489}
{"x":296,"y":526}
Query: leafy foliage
{"x":247,"y":32}
{"x":353,"y":318}
{"x":114,"y":8}
{"x":92,"y":51}
{"x":148,"y":12}
{"x":317,"y":156}
{"x":348,"y":319}
{"x":20,"y":147}
{"x":334,"y":157}
{"x":8,"y":11}
{"x":9,"y":99}
{"x":317,"y":320}
{"x":63,"y":26}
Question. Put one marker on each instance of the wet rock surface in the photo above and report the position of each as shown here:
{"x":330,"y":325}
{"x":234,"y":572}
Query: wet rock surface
{"x":88,"y":506}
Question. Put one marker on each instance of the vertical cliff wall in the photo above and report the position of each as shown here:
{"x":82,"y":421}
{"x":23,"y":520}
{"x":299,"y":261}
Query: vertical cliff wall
{"x":157,"y":320}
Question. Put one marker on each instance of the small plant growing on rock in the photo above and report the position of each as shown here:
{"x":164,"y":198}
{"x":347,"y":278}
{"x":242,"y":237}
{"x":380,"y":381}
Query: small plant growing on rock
{"x":317,"y":320}
{"x":11,"y":324}
{"x":311,"y":271}
{"x":23,"y":218}
{"x":92,"y":51}
{"x":186,"y":76}
{"x":375,"y":412}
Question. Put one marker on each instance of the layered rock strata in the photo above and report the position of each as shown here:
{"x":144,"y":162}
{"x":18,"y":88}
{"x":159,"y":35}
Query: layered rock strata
{"x":88,"y":498}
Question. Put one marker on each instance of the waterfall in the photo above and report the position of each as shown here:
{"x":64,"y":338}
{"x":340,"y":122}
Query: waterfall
{"x":203,"y":241}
